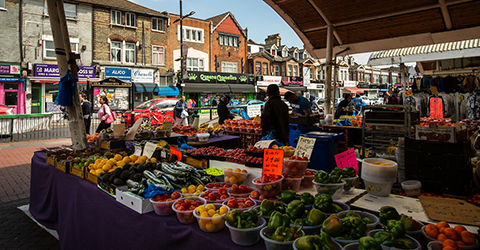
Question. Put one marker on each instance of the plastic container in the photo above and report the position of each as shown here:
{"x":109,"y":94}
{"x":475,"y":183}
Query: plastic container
{"x":211,"y":224}
{"x":342,"y":205}
{"x":324,"y":151}
{"x":203,"y":137}
{"x":431,"y":239}
{"x":216,"y":189}
{"x":269,"y":189}
{"x":233,"y":177}
{"x":295,"y":167}
{"x":186,"y":217}
{"x":258,"y":131}
{"x":333,"y":189}
{"x":435,"y":245}
{"x":415,"y":242}
{"x":242,"y":209}
{"x":242,"y":129}
{"x":379,"y":179}
{"x":370,"y":226}
{"x":247,"y":236}
{"x":163,"y":208}
{"x":307,"y":181}
{"x":291,"y":184}
{"x":192,"y":195}
{"x":215,"y":201}
{"x":243,"y":195}
{"x":273,"y":244}
{"x":351,"y":246}
{"x":337,"y":246}
{"x":297,"y":130}
{"x":412,"y":188}
{"x":350,"y":184}
{"x":310,"y":230}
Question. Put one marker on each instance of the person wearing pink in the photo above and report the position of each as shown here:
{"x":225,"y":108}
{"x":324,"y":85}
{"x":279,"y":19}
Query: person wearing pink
{"x":104,"y":114}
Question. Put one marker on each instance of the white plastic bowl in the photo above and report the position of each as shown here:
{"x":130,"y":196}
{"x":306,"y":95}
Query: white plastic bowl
{"x":362,"y":214}
{"x":415,"y":242}
{"x":350,"y":183}
{"x":333,"y":189}
{"x":412,"y":188}
{"x":273,"y":244}
{"x":379,"y":179}
{"x":337,"y":246}
{"x":431,"y":239}
{"x":247,"y":236}
{"x":218,"y":221}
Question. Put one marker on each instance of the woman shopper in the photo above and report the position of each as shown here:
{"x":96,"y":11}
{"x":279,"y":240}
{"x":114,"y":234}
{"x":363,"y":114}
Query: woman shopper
{"x":104,"y":114}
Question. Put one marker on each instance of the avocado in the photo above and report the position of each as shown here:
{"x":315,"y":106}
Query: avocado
{"x":141,"y":168}
{"x":137,"y":177}
{"x":118,"y":182}
{"x":111,"y":179}
{"x":136,"y":164}
{"x":117,"y":172}
{"x":106,"y":177}
{"x":125,"y":174}
{"x":133,"y":168}
{"x":126,"y":166}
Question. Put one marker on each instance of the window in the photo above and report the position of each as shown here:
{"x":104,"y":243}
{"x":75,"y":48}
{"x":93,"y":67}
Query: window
{"x":274,"y":52}
{"x":116,"y":17}
{"x":49,"y":50}
{"x":158,"y":55}
{"x":70,"y":9}
{"x":229,"y":67}
{"x":74,"y":47}
{"x":295,"y":70}
{"x":195,"y":64}
{"x":284,"y":53}
{"x":258,"y":70}
{"x":166,"y":80}
{"x":265,"y":68}
{"x":130,"y":53}
{"x":368,"y":77}
{"x":157,"y":24}
{"x":283,"y":70}
{"x":2,"y":4}
{"x":295,"y":54}
{"x":116,"y":52}
{"x":289,"y":70}
{"x":310,"y":70}
{"x":130,"y":19}
{"x":384,"y":79}
{"x":249,"y":49}
{"x":49,"y":46}
{"x":191,"y":34}
{"x":376,"y":78}
{"x":277,"y":70}
{"x":261,"y":49}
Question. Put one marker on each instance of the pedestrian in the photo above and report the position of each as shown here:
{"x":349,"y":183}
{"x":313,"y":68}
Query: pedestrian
{"x":104,"y":114}
{"x":86,"y":110}
{"x":275,"y":115}
{"x":222,"y":110}
{"x":344,"y":107}
{"x":299,"y":104}
{"x":358,"y":101}
{"x":180,"y":112}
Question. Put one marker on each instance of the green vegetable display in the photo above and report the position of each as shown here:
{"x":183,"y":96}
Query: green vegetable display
{"x":367,"y":220}
{"x":242,"y":219}
{"x":368,"y":243}
{"x":409,"y":223}
{"x":388,"y":213}
{"x":267,"y":207}
{"x":277,"y":220}
{"x":295,"y":209}
{"x":333,"y":226}
{"x":383,"y":236}
{"x":314,"y":217}
{"x":335,"y":176}
{"x":324,"y":203}
{"x":396,"y":228}
{"x":287,"y":196}
{"x":279,"y":207}
{"x":307,"y":198}
{"x":348,"y":172}
{"x":388,"y":239}
{"x":354,"y":228}
{"x":315,"y":242}
{"x":284,"y":233}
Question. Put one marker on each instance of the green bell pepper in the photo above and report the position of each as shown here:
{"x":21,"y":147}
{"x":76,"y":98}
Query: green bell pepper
{"x":234,"y":217}
{"x":287,"y":196}
{"x":309,"y":242}
{"x":277,"y":220}
{"x":383,"y":236}
{"x":348,"y":172}
{"x":409,"y":223}
{"x":404,"y":244}
{"x":323,"y":202}
{"x":333,"y":226}
{"x":282,"y":233}
{"x":279,"y":207}
{"x":352,"y":214}
{"x":355,"y":228}
{"x":367,"y":220}
{"x":267,"y":207}
{"x":388,"y":213}
{"x":368,"y":243}
{"x":396,"y":228}
{"x":251,"y":215}
{"x":322,"y":177}
{"x":314,"y":217}
{"x":295,"y":209}
{"x":334,"y":208}
{"x":299,"y":222}
{"x":307,"y":198}
{"x":326,"y":242}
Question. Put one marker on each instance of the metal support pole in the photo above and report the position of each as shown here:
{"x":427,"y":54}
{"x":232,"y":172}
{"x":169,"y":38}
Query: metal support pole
{"x":402,"y":78}
{"x":329,"y":69}
{"x":181,"y":50}
{"x":335,"y":74}
{"x":66,"y":58}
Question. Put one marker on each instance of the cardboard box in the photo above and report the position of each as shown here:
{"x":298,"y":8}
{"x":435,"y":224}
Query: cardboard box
{"x":202,"y":164}
{"x":51,"y":160}
{"x":62,"y":166}
{"x":441,"y":134}
{"x":92,"y":178}
{"x":79,"y":172}
{"x":139,"y":205}
{"x":112,"y":144}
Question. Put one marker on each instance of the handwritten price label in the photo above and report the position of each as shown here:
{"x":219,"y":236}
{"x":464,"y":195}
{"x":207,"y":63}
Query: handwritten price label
{"x":347,"y":159}
{"x":272,"y":161}
{"x":408,"y":93}
{"x":305,"y":147}
{"x":168,"y":125}
{"x":175,"y":151}
{"x":149,"y":149}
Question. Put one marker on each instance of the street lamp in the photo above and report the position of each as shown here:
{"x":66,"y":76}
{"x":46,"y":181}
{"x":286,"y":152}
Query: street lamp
{"x":182,"y":59}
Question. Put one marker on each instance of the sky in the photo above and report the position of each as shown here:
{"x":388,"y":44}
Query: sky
{"x":255,"y":15}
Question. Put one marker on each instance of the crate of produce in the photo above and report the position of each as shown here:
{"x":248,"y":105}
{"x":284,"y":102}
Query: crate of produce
{"x":62,"y":164}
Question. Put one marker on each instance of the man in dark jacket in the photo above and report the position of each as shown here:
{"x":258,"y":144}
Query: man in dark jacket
{"x":86,"y":110}
{"x":275,"y":115}
{"x":222,"y":110}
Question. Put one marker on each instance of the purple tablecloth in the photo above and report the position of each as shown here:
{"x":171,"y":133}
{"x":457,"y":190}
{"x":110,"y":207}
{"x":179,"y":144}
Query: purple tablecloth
{"x":87,"y":218}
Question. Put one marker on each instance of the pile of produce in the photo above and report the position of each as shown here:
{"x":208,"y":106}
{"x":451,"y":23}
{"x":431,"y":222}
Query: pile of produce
{"x":451,"y":237}
{"x":219,"y":196}
{"x":269,"y":185}
{"x":291,"y":182}
{"x":241,"y":191}
{"x":209,"y":151}
{"x":279,"y":224}
{"x":425,"y":121}
{"x":388,"y":214}
{"x":192,"y":190}
{"x":237,"y":155}
{"x":324,"y":203}
{"x":233,"y":203}
{"x":268,"y":207}
{"x":242,"y":219}
{"x":471,"y":124}
{"x":318,"y":241}
{"x":335,"y":176}
{"x":349,"y":228}
{"x":211,"y":219}
{"x":394,"y":237}
{"x":236,"y":176}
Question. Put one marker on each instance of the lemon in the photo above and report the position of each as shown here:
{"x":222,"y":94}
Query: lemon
{"x":153,"y":159}
{"x":126,"y":159}
{"x":228,"y":172}
{"x":97,"y":161}
{"x":198,"y":192}
{"x":106,"y":167}
{"x":204,"y":214}
{"x":183,"y":190}
{"x":191,"y":187}
{"x":210,"y":207}
{"x":202,"y":224}
{"x":104,"y":161}
{"x":210,"y":226}
{"x":200,"y":209}
{"x":233,"y":180}
{"x":377,"y":162}
{"x":223,"y":210}
{"x":117,"y":157}
{"x":211,"y":212}
{"x":217,"y":219}
{"x":143,"y":158}
{"x":120,"y":163}
{"x":133,"y":158}
{"x":200,"y":188}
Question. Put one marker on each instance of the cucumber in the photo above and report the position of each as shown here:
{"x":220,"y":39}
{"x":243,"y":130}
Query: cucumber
{"x":201,"y":172}
{"x":133,"y":184}
{"x":168,"y":170}
{"x":153,"y":178}
{"x":161,"y":175}
{"x":196,"y":181}
{"x":185,"y":166}
{"x":177,"y":185}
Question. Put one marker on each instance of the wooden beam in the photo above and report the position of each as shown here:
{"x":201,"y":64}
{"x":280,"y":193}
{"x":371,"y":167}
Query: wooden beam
{"x":327,"y":21}
{"x":446,"y":15}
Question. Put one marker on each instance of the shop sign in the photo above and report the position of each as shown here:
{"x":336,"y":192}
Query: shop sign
{"x":292,"y":80}
{"x":267,"y":80}
{"x":213,"y":77}
{"x":51,"y":70}
{"x":9,"y":69}
{"x":111,"y":82}
{"x":142,"y":75}
{"x":124,"y":74}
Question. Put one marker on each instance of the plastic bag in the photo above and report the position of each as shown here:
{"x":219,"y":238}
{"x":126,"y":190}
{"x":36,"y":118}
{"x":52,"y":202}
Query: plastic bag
{"x":153,"y":190}
{"x":345,"y":122}
{"x":270,"y":135}
{"x":244,"y":115}
{"x":184,"y":114}
{"x":66,"y":86}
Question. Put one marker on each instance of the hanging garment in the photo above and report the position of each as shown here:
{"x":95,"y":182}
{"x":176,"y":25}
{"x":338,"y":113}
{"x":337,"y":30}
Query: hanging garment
{"x":459,"y":84}
{"x":473,"y":106}
{"x":449,"y":84}
{"x":462,"y":106}
{"x":448,"y":104}
{"x":470,"y":82}
{"x":438,"y":82}
{"x":436,"y":107}
{"x":426,"y":82}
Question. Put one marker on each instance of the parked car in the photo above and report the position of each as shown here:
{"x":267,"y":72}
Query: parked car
{"x":156,"y":109}
{"x":236,"y":108}
{"x":366,"y":100}
{"x":5,"y":110}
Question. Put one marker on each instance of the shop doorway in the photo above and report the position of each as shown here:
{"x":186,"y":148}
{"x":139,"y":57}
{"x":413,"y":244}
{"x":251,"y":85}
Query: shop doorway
{"x":36,"y":104}
{"x":11,"y":93}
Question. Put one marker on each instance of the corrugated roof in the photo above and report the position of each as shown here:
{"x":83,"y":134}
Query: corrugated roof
{"x":427,"y":49}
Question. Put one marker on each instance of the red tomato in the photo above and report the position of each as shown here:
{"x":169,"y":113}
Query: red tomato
{"x":248,"y":203}
{"x":255,"y":194}
{"x":261,"y":197}
{"x":175,"y":195}
{"x":212,"y":197}
{"x":165,"y":196}
{"x":223,"y":197}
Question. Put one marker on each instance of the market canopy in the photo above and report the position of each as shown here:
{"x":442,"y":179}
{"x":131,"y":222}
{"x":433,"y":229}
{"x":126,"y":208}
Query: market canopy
{"x":372,"y":25}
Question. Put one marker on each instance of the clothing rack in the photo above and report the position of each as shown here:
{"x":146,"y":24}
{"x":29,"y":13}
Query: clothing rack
{"x":455,"y":72}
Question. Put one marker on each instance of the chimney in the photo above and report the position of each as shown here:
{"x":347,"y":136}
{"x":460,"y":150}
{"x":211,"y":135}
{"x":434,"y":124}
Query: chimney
{"x":274,"y":39}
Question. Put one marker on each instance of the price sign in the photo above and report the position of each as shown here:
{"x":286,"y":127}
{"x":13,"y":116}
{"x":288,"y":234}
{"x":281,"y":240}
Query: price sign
{"x":215,"y":125}
{"x":118,"y":129}
{"x":408,"y":93}
{"x":272,"y":161}
{"x":347,"y":159}
{"x":175,"y":151}
{"x":263,"y":144}
{"x":149,"y":149}
{"x":138,"y":151}
{"x":133,"y":130}
{"x":163,"y":154}
{"x":168,"y":125}
{"x":305,"y":146}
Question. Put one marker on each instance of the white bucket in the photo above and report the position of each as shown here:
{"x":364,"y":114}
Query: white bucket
{"x":329,"y":119}
{"x":379,"y":179}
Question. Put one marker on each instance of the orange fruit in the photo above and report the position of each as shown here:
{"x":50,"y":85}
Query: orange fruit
{"x":442,"y":230}
{"x":442,"y":224}
{"x":442,"y":237}
{"x":459,"y":228}
{"x":452,"y":234}
{"x":468,"y":238}
{"x":460,"y":243}
{"x":449,"y":248}
{"x":431,"y":230}
{"x":450,"y":243}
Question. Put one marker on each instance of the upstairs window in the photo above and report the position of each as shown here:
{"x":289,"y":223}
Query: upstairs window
{"x":49,"y":49}
{"x":274,"y":52}
{"x":284,"y":53}
{"x":265,"y":68}
{"x":258,"y":70}
{"x":158,"y":55}
{"x":130,"y":20}
{"x":295,"y":70}
{"x":229,"y":67}
{"x":228,"y":40}
{"x":157,"y":24}
{"x":116,"y":51}
{"x":289,"y":70}
{"x":69,"y":8}
{"x":130,"y":53}
{"x":195,"y":64}
{"x":249,"y":49}
{"x":116,"y":17}
{"x":277,"y":70}
{"x":191,"y":34}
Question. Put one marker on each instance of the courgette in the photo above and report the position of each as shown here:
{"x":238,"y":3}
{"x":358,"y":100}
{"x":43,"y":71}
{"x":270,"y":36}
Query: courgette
{"x":182,"y":165}
{"x":168,"y":170}
{"x":153,"y":178}
{"x":160,"y":174}
{"x":196,"y":181}
{"x":133,"y":184}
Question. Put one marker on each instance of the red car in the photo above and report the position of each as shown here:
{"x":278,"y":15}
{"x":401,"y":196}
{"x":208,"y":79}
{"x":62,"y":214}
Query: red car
{"x":5,"y":110}
{"x":156,"y":109}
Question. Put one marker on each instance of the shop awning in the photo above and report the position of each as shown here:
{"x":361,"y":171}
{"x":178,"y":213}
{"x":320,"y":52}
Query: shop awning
{"x":242,"y":88}
{"x":168,"y":91}
{"x":146,"y":87}
{"x":282,"y":90}
{"x":296,"y":88}
{"x":352,"y":90}
{"x":218,"y":88}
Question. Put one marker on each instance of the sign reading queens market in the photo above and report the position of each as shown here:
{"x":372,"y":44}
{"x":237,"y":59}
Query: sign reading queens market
{"x":214,"y":77}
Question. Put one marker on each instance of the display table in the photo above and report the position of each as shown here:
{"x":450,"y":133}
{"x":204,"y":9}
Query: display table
{"x":224,"y":141}
{"x":87,"y":218}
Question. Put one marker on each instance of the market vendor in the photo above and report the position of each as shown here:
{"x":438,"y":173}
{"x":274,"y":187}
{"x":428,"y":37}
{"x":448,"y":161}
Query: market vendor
{"x":222,"y":110}
{"x":300,"y":105}
{"x":346,"y":107}
{"x":275,"y":115}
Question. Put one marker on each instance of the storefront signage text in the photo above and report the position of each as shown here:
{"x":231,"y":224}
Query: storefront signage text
{"x":112,"y":82}
{"x":142,"y":75}
{"x":212,"y":77}
{"x":267,"y":80}
{"x":292,"y":80}
{"x":10,"y":69}
{"x":51,"y":70}
{"x":124,"y":74}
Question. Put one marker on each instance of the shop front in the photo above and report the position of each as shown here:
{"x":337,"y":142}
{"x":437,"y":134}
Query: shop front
{"x":12,"y":88}
{"x":118,"y":93}
{"x":294,"y":84}
{"x":316,"y":89}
